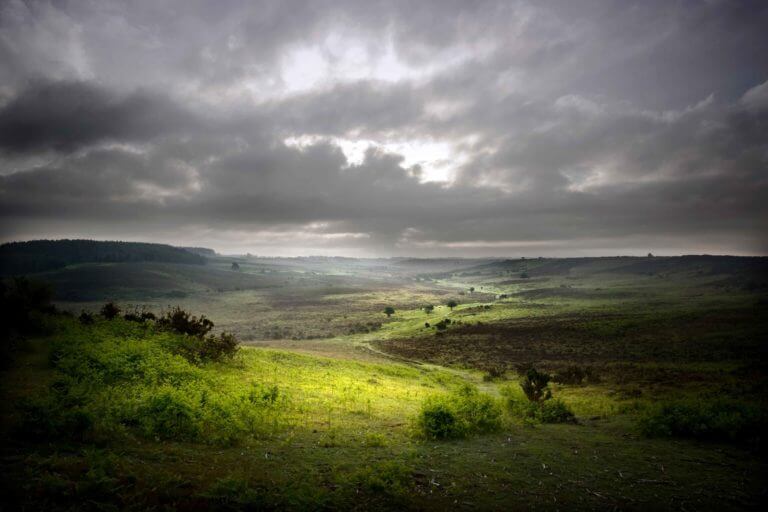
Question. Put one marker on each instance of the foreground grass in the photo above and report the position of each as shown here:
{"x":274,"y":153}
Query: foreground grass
{"x":274,"y":429}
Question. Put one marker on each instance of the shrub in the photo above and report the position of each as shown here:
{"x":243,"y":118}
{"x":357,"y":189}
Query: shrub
{"x":85,"y":318}
{"x":461,"y":413}
{"x":721,"y":420}
{"x":209,"y":348}
{"x":535,"y":385}
{"x":182,"y":322}
{"x":110,"y":310}
{"x":554,"y":411}
{"x":545,"y":411}
{"x":451,"y":304}
{"x":389,"y":311}
{"x":437,"y":420}
{"x":429,"y":308}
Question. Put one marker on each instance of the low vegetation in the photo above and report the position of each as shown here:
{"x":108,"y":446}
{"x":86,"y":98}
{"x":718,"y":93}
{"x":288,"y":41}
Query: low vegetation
{"x":590,"y":384}
{"x":464,"y":412}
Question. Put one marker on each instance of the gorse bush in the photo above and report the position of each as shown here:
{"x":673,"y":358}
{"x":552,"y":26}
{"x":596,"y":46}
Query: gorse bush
{"x":197,"y":345}
{"x":209,"y":348}
{"x":458,"y":414}
{"x":110,"y":310}
{"x":182,"y":322}
{"x":719,"y":420}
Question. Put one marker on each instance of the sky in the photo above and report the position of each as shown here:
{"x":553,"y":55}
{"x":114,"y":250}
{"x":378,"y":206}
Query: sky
{"x":388,"y":128}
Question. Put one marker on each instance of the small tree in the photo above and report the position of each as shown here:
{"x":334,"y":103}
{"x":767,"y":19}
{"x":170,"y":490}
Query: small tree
{"x":535,"y":385}
{"x":389,"y":311}
{"x":429,"y":308}
{"x":235,"y":266}
{"x":471,"y":289}
{"x":451,"y":304}
{"x":110,"y":310}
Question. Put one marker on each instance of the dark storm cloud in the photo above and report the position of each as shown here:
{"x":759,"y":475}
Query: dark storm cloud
{"x":565,"y":125}
{"x":65,"y":116}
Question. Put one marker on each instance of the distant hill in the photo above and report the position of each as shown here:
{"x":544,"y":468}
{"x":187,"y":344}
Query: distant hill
{"x":43,"y":255}
{"x":746,"y":267}
{"x":203,"y":251}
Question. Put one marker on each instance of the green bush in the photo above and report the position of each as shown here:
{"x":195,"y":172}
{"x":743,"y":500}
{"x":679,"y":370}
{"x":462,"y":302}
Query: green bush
{"x":720,"y":420}
{"x":543,"y":411}
{"x":554,"y":411}
{"x":458,"y":414}
{"x":438,"y":420}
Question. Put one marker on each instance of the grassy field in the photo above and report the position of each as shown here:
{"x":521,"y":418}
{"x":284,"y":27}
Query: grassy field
{"x":323,"y":408}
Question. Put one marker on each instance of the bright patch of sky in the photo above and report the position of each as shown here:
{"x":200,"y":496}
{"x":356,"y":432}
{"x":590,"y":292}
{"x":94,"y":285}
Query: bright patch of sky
{"x":435,"y":161}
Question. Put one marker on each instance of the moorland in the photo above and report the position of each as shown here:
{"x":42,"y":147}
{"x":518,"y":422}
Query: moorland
{"x":393,"y":383}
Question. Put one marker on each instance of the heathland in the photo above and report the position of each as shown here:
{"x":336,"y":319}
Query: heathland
{"x":487,"y":384}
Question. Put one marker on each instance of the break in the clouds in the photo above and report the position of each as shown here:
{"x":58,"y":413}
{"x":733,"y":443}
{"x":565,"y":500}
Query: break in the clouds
{"x":388,"y":127}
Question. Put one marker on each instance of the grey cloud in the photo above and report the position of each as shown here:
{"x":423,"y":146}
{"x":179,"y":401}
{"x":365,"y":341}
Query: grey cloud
{"x":617,"y":122}
{"x":66,"y":116}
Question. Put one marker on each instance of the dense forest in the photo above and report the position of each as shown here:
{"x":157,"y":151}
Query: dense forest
{"x":41,"y":255}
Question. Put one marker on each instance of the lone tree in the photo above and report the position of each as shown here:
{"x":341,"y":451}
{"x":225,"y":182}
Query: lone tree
{"x":535,"y":385}
{"x":389,"y":311}
{"x":471,"y":289}
{"x":429,"y":308}
{"x":451,"y":304}
{"x":235,"y":266}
